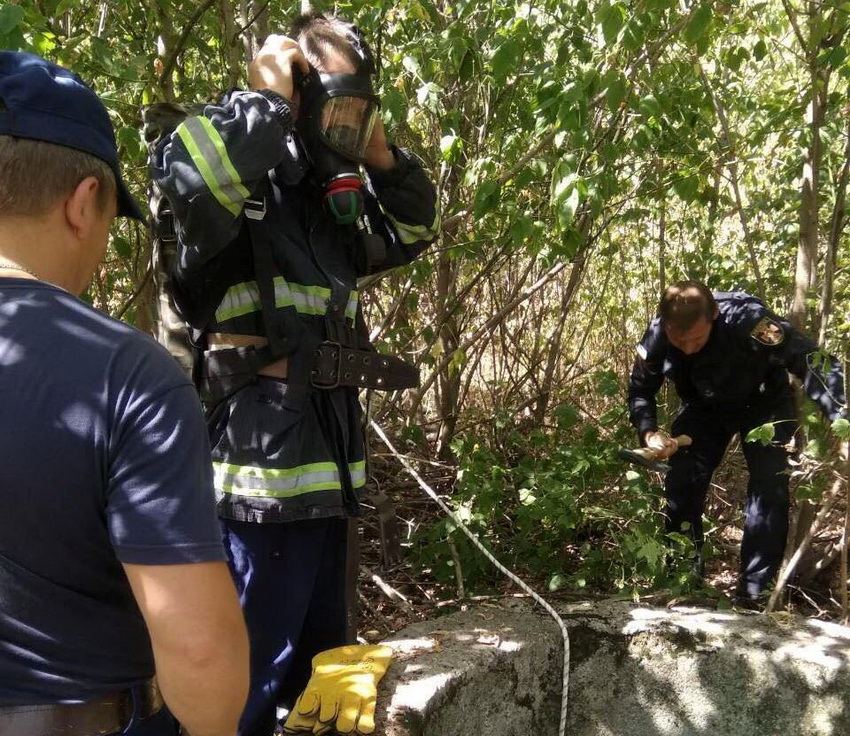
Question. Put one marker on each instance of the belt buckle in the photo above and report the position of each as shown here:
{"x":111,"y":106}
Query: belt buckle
{"x":336,"y":370}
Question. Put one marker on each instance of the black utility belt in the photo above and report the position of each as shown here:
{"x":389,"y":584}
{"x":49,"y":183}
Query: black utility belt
{"x":335,"y":365}
{"x":110,"y":713}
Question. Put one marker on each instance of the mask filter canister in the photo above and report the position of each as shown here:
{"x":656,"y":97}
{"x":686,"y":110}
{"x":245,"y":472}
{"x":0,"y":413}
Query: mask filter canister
{"x":343,"y":199}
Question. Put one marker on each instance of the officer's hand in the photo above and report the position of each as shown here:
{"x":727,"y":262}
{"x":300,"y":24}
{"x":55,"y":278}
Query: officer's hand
{"x":378,"y":153}
{"x":272,"y":67}
{"x":661,"y":443}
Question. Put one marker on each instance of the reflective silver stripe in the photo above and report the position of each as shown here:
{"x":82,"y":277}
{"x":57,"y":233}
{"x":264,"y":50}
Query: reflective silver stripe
{"x":641,"y":351}
{"x":240,"y":299}
{"x":209,"y":155}
{"x":244,"y":298}
{"x":249,"y":480}
{"x":409,"y":234}
{"x":351,"y":307}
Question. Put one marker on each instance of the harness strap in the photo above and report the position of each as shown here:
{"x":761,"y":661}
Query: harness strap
{"x":280,"y":337}
{"x":336,"y":365}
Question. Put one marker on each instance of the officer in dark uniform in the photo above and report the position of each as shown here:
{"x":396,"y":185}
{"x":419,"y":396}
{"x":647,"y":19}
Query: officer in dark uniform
{"x":728,"y":357}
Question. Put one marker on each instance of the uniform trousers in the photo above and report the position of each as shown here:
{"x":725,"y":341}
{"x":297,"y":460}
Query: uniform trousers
{"x":291,"y":582}
{"x":766,"y":512}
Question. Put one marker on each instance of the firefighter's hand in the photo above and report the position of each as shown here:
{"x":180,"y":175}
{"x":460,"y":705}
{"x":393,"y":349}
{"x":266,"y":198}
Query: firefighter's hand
{"x":341,"y":692}
{"x":378,"y":152}
{"x":272,"y":67}
{"x":661,"y":444}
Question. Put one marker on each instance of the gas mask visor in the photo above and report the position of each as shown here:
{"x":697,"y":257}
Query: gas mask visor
{"x":347,"y":113}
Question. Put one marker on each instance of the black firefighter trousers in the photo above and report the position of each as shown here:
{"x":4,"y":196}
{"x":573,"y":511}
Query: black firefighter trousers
{"x":766,"y":514}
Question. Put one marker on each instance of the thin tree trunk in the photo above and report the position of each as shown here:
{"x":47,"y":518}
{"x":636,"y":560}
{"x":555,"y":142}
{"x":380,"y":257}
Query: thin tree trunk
{"x":729,"y":154}
{"x":836,"y":227}
{"x":450,"y":375}
{"x":807,"y":250}
{"x":552,"y":360}
{"x":231,"y":48}
{"x":662,"y":248}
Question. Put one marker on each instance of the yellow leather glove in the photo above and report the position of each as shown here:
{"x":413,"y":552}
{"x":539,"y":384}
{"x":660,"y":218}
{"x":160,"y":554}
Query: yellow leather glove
{"x":341,"y":692}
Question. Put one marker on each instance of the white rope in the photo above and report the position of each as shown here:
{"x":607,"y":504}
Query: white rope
{"x":551,"y":611}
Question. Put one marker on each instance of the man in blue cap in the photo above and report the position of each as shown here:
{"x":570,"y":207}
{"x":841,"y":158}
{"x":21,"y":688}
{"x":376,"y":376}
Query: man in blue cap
{"x":110,"y":552}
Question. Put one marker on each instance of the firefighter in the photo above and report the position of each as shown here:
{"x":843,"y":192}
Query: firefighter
{"x":282,"y":196}
{"x":728,"y":357}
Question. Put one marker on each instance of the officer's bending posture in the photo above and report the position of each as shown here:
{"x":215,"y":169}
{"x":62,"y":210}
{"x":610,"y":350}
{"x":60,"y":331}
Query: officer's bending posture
{"x":111,"y":559}
{"x":728,"y":357}
{"x":275,"y":222}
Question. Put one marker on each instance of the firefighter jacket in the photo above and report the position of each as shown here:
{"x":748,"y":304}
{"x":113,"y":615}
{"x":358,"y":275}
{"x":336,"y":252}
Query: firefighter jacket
{"x":743,"y":365}
{"x":242,"y":160}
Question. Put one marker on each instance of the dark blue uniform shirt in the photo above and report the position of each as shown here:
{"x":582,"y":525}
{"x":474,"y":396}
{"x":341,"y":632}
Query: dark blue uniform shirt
{"x":743,"y":365}
{"x":105,"y":460}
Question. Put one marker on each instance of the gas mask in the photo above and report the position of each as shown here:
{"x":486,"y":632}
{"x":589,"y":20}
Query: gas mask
{"x":338,"y":113}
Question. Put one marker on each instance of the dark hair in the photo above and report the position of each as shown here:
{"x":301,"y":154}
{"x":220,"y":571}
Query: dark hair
{"x":684,"y":303}
{"x":319,"y":36}
{"x":35,"y":175}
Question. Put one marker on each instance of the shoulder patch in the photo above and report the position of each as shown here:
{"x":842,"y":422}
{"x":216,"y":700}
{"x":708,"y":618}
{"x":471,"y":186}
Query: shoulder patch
{"x":768,"y":332}
{"x":641,"y":351}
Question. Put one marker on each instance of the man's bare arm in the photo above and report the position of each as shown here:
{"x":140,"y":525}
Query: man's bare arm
{"x":200,"y":643}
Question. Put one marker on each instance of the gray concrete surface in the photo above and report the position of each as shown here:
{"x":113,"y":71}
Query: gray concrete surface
{"x":635,"y":671}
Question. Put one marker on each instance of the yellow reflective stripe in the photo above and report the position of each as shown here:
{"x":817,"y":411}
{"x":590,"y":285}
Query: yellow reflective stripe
{"x":310,"y":299}
{"x":209,"y":155}
{"x":351,"y":307}
{"x":240,"y":299}
{"x":248,"y":480}
{"x":244,"y":298}
{"x":409,"y":234}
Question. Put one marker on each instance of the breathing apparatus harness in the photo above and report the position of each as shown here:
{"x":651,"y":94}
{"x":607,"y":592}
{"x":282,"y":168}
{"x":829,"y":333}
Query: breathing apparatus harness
{"x":338,"y":114}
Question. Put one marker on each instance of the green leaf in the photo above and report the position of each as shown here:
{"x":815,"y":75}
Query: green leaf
{"x":565,"y":415}
{"x":505,"y":60}
{"x":615,"y":91}
{"x":833,"y":57}
{"x":633,"y":37}
{"x":611,"y":18}
{"x":698,"y":24}
{"x":450,"y":147}
{"x":841,"y":428}
{"x":650,"y":552}
{"x":428,"y":95}
{"x":393,"y":105}
{"x":122,"y":247}
{"x":566,"y":207}
{"x":762,"y":434}
{"x":556,"y":582}
{"x":527,"y":497}
{"x":607,"y":383}
{"x":687,"y":187}
{"x":486,"y":198}
{"x":521,"y":229}
{"x":649,"y":106}
{"x":411,"y":64}
{"x":10,"y":18}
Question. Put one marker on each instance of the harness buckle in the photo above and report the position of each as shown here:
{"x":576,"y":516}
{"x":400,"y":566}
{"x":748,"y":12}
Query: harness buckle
{"x":328,"y":365}
{"x":255,"y":209}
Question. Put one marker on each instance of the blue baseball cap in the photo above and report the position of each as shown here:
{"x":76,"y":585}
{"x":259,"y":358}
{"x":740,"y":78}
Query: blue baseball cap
{"x":42,"y":101}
